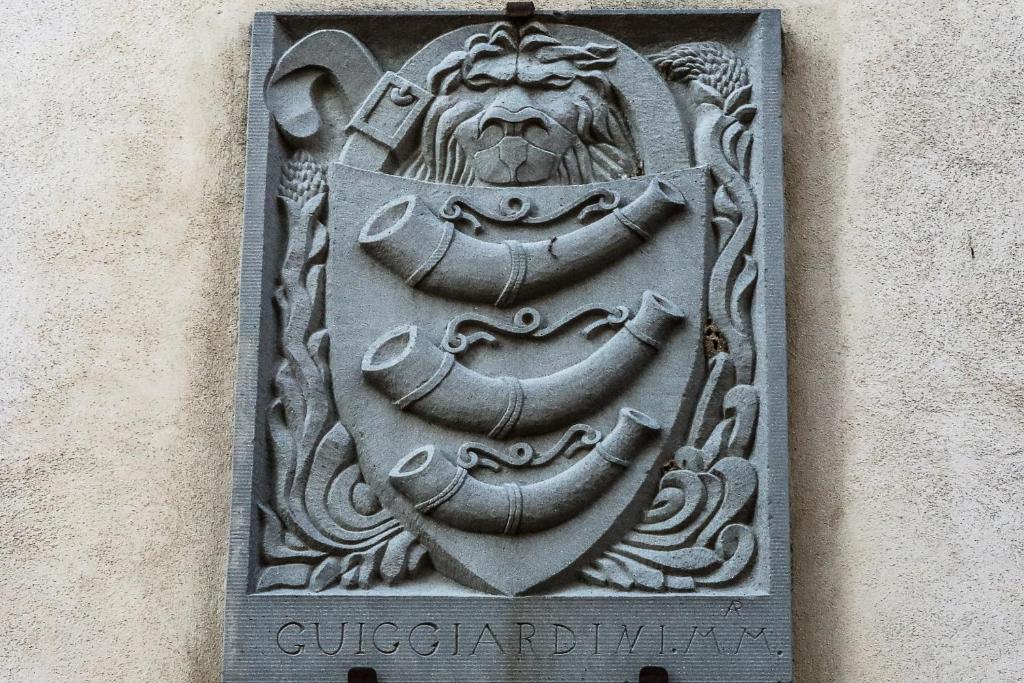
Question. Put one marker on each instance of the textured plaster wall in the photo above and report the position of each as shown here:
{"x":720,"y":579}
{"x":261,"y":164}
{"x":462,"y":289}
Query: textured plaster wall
{"x":121,"y":161}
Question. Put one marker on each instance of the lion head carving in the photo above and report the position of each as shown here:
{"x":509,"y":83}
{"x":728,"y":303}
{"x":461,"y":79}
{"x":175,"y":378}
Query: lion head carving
{"x":518,"y":107}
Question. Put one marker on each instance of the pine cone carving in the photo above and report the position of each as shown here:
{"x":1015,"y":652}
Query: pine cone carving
{"x":302,"y":178}
{"x":712,"y":64}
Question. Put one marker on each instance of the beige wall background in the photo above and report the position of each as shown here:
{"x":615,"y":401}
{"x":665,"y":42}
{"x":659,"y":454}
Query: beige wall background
{"x":121,"y":158}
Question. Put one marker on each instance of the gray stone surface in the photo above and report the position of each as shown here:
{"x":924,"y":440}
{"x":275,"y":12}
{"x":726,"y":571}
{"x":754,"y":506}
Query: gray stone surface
{"x":124,"y":166}
{"x":511,"y":394}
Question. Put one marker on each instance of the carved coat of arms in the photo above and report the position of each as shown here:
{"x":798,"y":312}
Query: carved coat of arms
{"x":513,"y":315}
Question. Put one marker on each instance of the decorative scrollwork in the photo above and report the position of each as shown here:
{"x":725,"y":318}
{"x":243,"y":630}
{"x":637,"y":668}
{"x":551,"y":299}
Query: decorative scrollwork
{"x":527,"y":322}
{"x":322,"y":525}
{"x":519,"y":208}
{"x":698,"y":531}
{"x":473,"y":454}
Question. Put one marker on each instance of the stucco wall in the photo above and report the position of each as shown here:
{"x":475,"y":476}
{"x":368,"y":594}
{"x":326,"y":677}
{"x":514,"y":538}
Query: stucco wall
{"x":121,"y":159}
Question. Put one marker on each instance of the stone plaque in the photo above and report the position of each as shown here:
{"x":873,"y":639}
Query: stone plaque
{"x":511,"y":390}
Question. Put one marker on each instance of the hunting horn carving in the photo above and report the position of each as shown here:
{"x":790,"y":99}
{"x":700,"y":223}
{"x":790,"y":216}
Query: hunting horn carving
{"x":429,"y":254}
{"x":443,"y":490}
{"x":420,"y":377}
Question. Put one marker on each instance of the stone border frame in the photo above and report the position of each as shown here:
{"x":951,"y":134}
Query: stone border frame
{"x":744,"y":636}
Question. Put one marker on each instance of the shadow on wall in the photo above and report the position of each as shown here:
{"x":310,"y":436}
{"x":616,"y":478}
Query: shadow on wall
{"x":206,"y":423}
{"x":815,"y":179}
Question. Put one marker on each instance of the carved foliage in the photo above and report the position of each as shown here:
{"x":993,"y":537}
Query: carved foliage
{"x":698,"y":531}
{"x":323,"y":525}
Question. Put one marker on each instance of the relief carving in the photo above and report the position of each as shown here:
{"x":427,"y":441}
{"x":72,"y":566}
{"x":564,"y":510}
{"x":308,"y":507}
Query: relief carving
{"x":323,"y":525}
{"x":420,"y":377}
{"x":487,"y":133}
{"x":527,"y":322}
{"x":438,"y":487}
{"x":697,"y":532}
{"x":473,"y":453}
{"x":516,"y":106}
{"x":519,"y":208}
{"x":429,"y":254}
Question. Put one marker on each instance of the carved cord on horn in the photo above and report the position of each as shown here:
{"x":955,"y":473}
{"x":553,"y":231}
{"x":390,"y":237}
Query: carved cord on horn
{"x":699,"y":529}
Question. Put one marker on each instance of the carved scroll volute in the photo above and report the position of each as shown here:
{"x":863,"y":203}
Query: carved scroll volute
{"x":335,"y":59}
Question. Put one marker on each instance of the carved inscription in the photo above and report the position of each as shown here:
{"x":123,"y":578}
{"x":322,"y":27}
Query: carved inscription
{"x":520,"y":639}
{"x":511,"y":398}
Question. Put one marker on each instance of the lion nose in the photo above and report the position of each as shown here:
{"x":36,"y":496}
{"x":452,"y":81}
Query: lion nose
{"x":512,"y":152}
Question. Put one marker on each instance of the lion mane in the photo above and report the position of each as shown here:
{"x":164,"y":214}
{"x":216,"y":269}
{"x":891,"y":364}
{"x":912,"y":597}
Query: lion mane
{"x":603,"y":148}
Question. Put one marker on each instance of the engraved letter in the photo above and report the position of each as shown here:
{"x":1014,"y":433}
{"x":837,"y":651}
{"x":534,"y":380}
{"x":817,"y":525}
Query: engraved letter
{"x":696,"y":632}
{"x":625,"y":637}
{"x":760,"y":635}
{"x":341,"y":641}
{"x":523,"y":638}
{"x":432,"y":647}
{"x":360,"y":650}
{"x":494,"y":640}
{"x":571,"y":635}
{"x":393,"y":644}
{"x":299,"y":647}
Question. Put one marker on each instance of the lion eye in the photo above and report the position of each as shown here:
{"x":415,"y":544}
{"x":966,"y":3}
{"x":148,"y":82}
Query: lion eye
{"x":482,"y":81}
{"x":556,"y":81}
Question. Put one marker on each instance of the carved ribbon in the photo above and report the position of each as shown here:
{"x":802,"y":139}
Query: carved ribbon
{"x":474,"y":454}
{"x":516,"y":208}
{"x":527,"y":323}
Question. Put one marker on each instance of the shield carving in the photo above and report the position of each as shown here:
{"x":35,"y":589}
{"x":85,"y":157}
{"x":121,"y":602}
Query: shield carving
{"x":515,"y":310}
{"x":514,"y":363}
